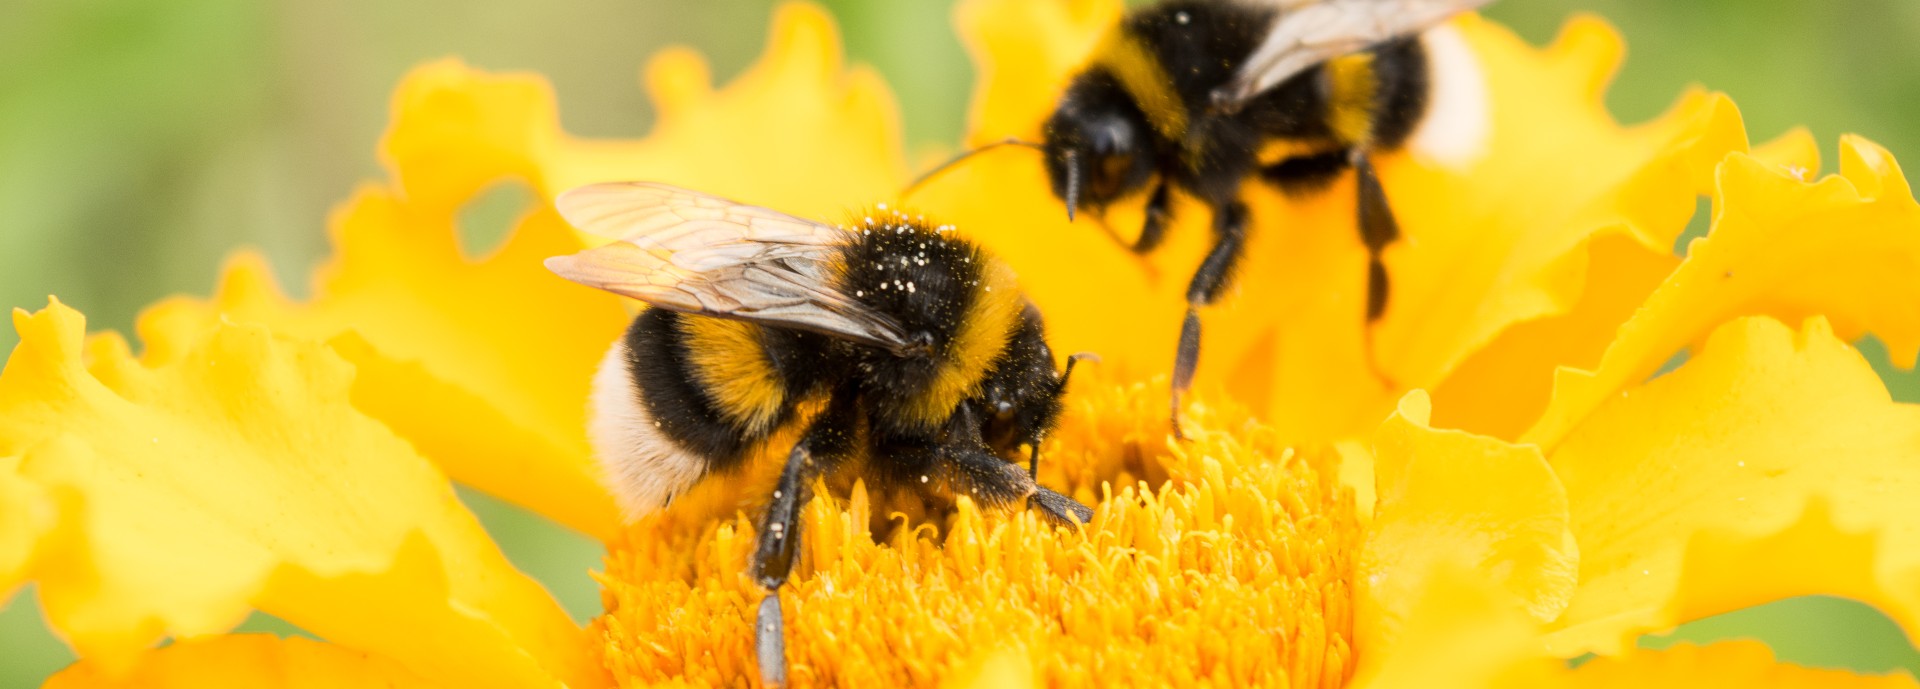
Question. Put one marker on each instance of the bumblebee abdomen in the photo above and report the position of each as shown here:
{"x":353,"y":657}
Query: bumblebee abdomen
{"x":679,"y":397}
{"x":1402,"y":90}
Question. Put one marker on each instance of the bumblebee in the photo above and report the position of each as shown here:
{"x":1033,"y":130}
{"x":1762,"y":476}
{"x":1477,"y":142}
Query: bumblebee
{"x":927,"y":365}
{"x":1202,"y":95}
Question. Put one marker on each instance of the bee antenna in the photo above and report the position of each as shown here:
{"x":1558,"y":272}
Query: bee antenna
{"x":1071,"y":360}
{"x":943,"y":167}
{"x":1059,"y":386}
{"x":1073,"y":181}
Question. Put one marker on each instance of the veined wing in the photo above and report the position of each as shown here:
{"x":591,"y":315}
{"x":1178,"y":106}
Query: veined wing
{"x":701,"y":254}
{"x":1310,"y":32}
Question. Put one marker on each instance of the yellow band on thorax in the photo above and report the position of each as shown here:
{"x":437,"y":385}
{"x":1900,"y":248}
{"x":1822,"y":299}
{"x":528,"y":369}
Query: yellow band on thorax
{"x":984,"y":332}
{"x":1143,"y":77}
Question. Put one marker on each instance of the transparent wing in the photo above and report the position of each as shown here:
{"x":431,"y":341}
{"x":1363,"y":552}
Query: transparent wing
{"x":696,"y":253}
{"x":1309,"y":32}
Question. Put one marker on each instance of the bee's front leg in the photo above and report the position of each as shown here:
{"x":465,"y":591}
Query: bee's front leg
{"x":779,"y":539}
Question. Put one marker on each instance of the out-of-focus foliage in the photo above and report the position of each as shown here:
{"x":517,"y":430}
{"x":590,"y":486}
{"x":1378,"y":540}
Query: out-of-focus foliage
{"x":141,"y":140}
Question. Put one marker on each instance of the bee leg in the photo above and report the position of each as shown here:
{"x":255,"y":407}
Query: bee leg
{"x":1154,"y":229}
{"x":1378,"y":228}
{"x":1230,"y":230}
{"x":993,"y":482}
{"x":773,"y":560}
{"x":780,"y":531}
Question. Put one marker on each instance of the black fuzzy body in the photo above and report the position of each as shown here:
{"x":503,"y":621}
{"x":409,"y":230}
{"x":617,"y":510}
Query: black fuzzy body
{"x":1218,"y":150}
{"x":928,"y":280}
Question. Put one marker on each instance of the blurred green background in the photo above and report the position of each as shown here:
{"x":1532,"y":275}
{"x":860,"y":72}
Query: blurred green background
{"x":142,"y":140}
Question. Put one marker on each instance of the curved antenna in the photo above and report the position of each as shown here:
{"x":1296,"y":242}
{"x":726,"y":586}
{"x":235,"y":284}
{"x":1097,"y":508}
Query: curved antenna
{"x":1060,"y":384}
{"x":1059,"y":387}
{"x":1073,"y":181}
{"x":943,"y":167}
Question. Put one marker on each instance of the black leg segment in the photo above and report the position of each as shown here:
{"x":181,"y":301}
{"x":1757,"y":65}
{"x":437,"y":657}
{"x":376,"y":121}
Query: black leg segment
{"x":779,"y":536}
{"x":1378,"y":228}
{"x":969,"y":469}
{"x":1215,"y":273}
{"x":1158,"y":214}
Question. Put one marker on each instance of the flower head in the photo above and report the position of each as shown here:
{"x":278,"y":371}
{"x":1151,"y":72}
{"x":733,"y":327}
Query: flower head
{"x":1495,"y":485}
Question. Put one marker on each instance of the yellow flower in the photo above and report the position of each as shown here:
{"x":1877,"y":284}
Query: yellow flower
{"x":1513,"y":492}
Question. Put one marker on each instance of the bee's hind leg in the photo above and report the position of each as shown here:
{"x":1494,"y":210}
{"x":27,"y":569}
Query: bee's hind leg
{"x":779,"y":538}
{"x":1378,"y":228}
{"x":1230,"y":235}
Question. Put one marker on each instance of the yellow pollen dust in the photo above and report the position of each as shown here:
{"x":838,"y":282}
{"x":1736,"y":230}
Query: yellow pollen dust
{"x":1226,"y":560}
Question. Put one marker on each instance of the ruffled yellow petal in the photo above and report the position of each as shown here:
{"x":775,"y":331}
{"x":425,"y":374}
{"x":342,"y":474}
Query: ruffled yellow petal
{"x":798,"y":130}
{"x":1726,"y":664}
{"x":27,"y":513}
{"x":1496,"y":237}
{"x":1461,"y":631}
{"x":1229,"y":563}
{"x":1023,"y":54}
{"x":1846,"y":247}
{"x":246,"y":662}
{"x":237,"y":476}
{"x":1503,"y":387}
{"x":482,"y":365}
{"x":1450,"y":499}
{"x":1690,"y":494}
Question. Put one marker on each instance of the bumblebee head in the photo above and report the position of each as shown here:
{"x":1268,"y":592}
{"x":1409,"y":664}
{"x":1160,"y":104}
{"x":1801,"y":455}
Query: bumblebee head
{"x":1019,"y":401}
{"x":1098,"y":149}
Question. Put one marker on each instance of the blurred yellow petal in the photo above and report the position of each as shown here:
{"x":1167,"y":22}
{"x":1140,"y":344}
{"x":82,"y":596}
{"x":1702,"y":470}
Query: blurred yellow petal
{"x":1725,"y":664}
{"x":1023,"y":54}
{"x":1676,"y":484}
{"x":27,"y":513}
{"x":798,"y":130}
{"x":1493,"y":239}
{"x":1846,"y":247}
{"x":1503,"y":387}
{"x":236,"y":477}
{"x":1796,"y":150}
{"x":482,"y":365}
{"x":245,"y":662}
{"x":1450,"y":499}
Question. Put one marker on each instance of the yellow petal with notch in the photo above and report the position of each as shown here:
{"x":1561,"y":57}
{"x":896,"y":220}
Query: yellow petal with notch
{"x":1453,"y":501}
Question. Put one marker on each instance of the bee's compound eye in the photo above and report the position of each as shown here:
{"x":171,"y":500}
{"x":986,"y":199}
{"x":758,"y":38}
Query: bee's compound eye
{"x":1004,"y":409}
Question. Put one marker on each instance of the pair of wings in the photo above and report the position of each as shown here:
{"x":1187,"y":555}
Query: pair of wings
{"x":1309,"y":32}
{"x":696,"y":253}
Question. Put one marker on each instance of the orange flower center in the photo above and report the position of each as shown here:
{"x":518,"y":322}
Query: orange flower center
{"x":1229,"y":558}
